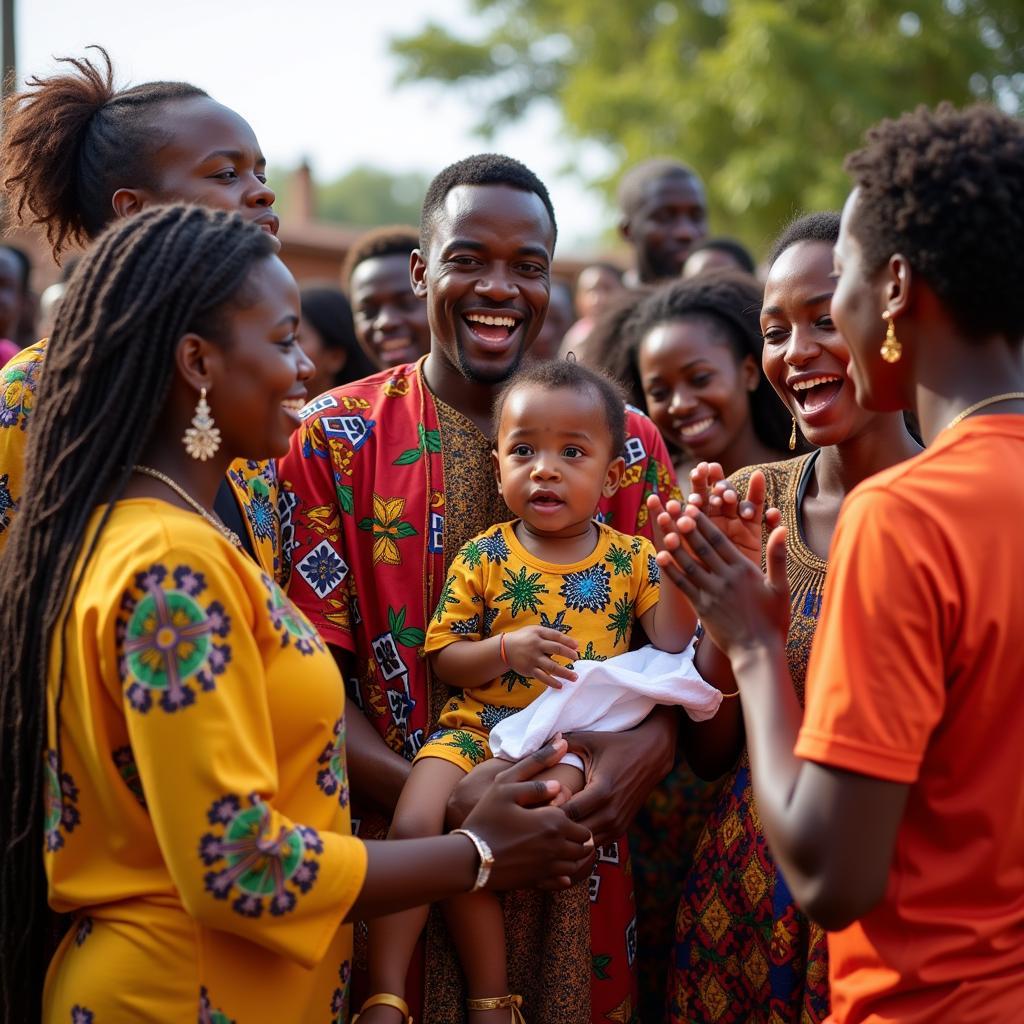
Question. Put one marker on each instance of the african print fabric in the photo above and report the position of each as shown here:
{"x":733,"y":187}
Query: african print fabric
{"x":375,"y":504}
{"x":253,"y":484}
{"x":744,"y":951}
{"x":495,"y":585}
{"x":196,"y":816}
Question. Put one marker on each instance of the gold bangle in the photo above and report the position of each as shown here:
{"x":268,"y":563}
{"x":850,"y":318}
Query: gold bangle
{"x":735,"y":693}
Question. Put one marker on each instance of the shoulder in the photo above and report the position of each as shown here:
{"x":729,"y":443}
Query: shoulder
{"x":30,"y":356}
{"x":386,"y":386}
{"x":639,"y":424}
{"x":19,"y":379}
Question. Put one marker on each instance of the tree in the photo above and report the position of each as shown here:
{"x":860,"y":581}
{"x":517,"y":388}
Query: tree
{"x":762,"y":98}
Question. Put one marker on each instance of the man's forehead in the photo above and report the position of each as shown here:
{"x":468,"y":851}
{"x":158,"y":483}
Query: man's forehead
{"x":673,"y":188}
{"x":496,"y":207}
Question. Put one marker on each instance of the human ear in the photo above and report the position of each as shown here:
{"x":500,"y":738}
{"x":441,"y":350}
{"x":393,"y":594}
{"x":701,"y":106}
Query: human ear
{"x":899,"y":282}
{"x":613,"y":476}
{"x":750,"y":373}
{"x":624,"y":229}
{"x":198,"y":361}
{"x":129,"y":201}
{"x":418,"y":273}
{"x":497,"y":468}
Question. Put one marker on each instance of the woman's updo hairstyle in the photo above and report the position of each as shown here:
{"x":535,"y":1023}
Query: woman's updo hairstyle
{"x":72,"y":140}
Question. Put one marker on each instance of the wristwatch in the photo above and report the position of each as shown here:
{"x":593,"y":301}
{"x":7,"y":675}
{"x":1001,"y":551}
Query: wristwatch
{"x":484,"y":852}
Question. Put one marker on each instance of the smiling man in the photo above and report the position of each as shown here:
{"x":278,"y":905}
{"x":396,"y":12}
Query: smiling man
{"x":385,"y":481}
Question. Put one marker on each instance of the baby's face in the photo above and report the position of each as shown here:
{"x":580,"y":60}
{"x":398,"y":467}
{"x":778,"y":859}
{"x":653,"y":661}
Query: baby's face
{"x":554,"y":458}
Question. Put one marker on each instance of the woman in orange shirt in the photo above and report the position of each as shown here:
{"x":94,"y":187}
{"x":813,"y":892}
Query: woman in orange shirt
{"x":172,"y":732}
{"x":893,"y":804}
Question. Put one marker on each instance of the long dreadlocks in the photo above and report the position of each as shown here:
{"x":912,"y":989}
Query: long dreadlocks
{"x":147,"y":282}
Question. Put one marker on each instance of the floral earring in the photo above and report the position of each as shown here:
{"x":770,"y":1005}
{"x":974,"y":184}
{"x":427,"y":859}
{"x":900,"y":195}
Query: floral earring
{"x":891,"y":350}
{"x":202,"y":439}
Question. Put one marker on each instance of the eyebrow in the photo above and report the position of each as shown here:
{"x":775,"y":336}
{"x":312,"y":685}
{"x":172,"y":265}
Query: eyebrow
{"x":528,"y":431}
{"x":474,"y":246}
{"x":291,"y":318}
{"x":815,"y":300}
{"x":232,"y":154}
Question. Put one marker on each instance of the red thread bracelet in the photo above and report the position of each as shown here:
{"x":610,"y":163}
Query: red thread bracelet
{"x":501,"y":649}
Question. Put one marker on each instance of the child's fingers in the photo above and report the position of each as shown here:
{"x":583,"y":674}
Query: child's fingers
{"x":555,"y":649}
{"x":553,"y":636}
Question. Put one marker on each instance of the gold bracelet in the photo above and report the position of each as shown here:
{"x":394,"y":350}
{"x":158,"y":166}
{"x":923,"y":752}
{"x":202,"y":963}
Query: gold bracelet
{"x":735,"y":693}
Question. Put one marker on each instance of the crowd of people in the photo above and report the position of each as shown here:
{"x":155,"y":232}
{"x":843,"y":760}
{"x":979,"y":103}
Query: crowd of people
{"x":455,"y":642}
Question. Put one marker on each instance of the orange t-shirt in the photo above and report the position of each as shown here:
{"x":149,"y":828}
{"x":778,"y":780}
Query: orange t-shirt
{"x":917,"y":676}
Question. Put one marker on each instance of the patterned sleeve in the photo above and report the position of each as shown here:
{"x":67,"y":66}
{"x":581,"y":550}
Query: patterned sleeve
{"x":196,"y":698}
{"x":311,"y":501}
{"x":647,"y":575}
{"x":461,"y":612}
{"x":648,"y":471}
{"x":19,"y":380}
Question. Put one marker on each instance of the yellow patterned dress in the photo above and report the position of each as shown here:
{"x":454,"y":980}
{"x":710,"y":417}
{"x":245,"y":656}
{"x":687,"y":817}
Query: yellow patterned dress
{"x":745,"y":953}
{"x":253,"y":484}
{"x":496,"y":586}
{"x":196,"y":800}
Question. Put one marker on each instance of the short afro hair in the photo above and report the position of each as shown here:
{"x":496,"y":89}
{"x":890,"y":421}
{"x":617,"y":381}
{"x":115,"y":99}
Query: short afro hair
{"x":822,"y":226}
{"x":569,"y":375}
{"x":635,"y":181}
{"x":728,"y":302}
{"x":737,"y":250}
{"x":482,"y":169}
{"x":393,"y":240}
{"x":945,"y":188}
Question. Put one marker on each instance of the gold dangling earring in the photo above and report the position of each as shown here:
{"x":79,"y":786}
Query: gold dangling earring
{"x":792,"y":437}
{"x":202,"y":439}
{"x":891,"y":350}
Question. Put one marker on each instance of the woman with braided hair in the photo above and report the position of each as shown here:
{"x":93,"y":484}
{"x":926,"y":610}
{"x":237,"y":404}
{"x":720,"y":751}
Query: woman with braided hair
{"x":79,"y":153}
{"x":171,"y":726}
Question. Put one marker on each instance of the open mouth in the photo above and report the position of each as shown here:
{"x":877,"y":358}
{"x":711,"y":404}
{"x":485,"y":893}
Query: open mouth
{"x":493,"y":330}
{"x":269,"y":222}
{"x":694,"y":429}
{"x":294,"y":406}
{"x":815,"y":393}
{"x":545,"y":501}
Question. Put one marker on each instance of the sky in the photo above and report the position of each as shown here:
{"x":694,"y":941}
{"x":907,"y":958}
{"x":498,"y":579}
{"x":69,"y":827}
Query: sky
{"x":315,"y":79}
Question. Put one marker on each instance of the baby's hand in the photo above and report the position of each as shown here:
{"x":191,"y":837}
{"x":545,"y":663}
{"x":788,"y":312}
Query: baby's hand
{"x":530,"y":650}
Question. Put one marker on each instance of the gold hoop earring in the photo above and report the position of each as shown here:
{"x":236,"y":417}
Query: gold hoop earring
{"x":792,"y":437}
{"x":202,"y":439}
{"x":891,"y":350}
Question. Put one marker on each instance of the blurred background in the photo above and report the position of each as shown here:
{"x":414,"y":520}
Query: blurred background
{"x":357,"y":106}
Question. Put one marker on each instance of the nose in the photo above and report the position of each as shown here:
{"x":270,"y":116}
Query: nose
{"x":684,"y":229}
{"x":388,"y":318}
{"x":261,"y":194}
{"x":496,"y":283}
{"x":802,"y":346}
{"x":304,"y":366}
{"x":543,"y":468}
{"x":683,"y":402}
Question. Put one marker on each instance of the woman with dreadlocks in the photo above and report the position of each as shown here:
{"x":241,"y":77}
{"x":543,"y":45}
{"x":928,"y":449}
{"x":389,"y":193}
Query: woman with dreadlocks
{"x":172,"y":740}
{"x":79,"y":153}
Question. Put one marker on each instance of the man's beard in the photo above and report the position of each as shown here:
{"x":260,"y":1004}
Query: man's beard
{"x":487,"y":377}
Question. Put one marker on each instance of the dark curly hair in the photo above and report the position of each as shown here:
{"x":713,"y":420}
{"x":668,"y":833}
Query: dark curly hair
{"x":737,"y":250}
{"x":729,"y":303}
{"x":820,"y":226}
{"x":393,"y":240}
{"x":482,"y":169}
{"x":945,"y":188}
{"x":71,"y":140}
{"x":558,"y":374}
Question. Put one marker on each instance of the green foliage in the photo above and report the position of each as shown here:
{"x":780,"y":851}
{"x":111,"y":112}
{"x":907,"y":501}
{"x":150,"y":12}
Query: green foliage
{"x":762,"y":98}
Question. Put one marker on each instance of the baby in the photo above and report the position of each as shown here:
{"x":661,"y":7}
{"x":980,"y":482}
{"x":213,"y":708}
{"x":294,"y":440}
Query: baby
{"x":523,"y":602}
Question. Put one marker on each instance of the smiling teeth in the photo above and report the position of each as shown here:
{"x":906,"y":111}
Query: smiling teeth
{"x":696,"y":428}
{"x":806,"y":385}
{"x":492,"y":321}
{"x":294,"y":404}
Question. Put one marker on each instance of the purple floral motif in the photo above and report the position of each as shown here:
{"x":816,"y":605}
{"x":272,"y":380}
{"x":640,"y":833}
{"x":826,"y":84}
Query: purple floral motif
{"x":124,"y":761}
{"x":333,"y":775}
{"x":169,"y":640}
{"x":339,"y":1000}
{"x":80,"y":1015}
{"x":60,"y":794}
{"x":292,"y":625}
{"x":261,"y":869}
{"x":208,"y":1015}
{"x":83,"y":930}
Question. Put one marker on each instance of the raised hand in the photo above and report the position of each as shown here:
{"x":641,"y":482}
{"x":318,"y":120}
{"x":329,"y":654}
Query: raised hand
{"x":530,"y":652}
{"x":739,"y":605}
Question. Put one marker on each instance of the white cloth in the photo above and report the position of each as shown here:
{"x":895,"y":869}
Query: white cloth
{"x":608,"y":696}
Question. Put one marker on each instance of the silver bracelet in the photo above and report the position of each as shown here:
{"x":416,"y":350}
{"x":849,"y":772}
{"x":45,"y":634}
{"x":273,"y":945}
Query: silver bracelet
{"x":483,"y":851}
